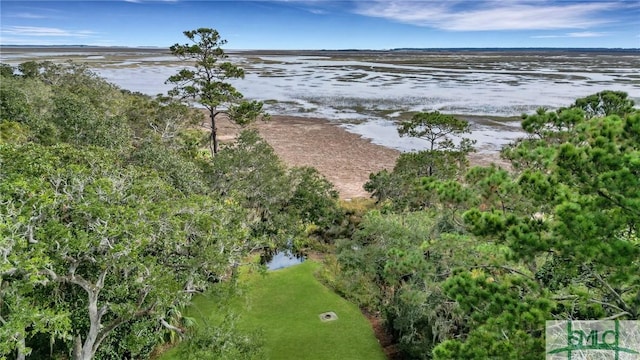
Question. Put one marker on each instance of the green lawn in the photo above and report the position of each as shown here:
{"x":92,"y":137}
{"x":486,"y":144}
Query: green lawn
{"x":284,"y":305}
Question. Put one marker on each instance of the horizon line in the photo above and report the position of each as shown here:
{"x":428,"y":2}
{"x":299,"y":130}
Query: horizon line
{"x":327,"y":49}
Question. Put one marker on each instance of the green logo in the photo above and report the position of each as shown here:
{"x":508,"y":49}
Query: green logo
{"x":573,"y":340}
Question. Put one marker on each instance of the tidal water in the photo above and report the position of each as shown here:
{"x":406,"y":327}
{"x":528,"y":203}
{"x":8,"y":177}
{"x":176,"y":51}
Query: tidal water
{"x":367,"y":92}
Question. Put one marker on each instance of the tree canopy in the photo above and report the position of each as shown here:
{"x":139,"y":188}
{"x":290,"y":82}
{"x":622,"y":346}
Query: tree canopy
{"x":111,"y":218}
{"x":498,"y":252}
{"x":208,"y":81}
{"x":443,"y":159}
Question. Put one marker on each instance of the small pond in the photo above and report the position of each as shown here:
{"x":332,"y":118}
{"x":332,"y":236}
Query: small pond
{"x":282,"y":259}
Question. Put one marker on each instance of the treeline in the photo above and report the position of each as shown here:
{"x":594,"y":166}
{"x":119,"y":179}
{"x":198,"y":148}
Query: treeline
{"x":113,"y":215}
{"x":469,"y":263}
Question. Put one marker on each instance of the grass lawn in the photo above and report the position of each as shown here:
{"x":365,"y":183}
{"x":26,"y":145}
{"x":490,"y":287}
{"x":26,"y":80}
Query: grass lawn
{"x":284,"y":305}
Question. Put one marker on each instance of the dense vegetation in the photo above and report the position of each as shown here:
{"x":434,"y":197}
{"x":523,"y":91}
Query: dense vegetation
{"x":113,"y":215}
{"x":468,"y":264}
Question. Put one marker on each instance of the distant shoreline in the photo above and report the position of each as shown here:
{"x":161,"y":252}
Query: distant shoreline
{"x":634,"y":51}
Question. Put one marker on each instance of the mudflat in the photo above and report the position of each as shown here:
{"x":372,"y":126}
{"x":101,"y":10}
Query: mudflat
{"x":344,"y":158}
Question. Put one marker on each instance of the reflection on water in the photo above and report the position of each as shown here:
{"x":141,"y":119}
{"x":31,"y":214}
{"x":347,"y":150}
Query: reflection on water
{"x":282,"y":259}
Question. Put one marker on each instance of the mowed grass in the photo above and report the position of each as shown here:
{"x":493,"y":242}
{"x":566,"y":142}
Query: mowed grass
{"x":284,"y":305}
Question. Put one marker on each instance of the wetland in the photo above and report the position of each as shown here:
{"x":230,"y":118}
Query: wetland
{"x":367,"y":92}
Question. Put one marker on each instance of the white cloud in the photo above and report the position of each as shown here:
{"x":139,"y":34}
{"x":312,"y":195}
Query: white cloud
{"x":582,"y":34}
{"x":586,"y":34}
{"x":480,"y":15}
{"x":318,"y":11}
{"x":27,"y":16}
{"x":45,"y":31}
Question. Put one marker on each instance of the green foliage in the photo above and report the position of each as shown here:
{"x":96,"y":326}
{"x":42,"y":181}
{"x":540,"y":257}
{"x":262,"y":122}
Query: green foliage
{"x":172,"y":167}
{"x":131,"y":241}
{"x":443,"y":160}
{"x":605,"y":103}
{"x":29,"y":69}
{"x":162,"y":118}
{"x":23,"y":100}
{"x":207,"y":82}
{"x":552,"y":125}
{"x":314,"y":201}
{"x":576,"y":214}
{"x":111,"y":219}
{"x":437,"y":128}
{"x":397,"y":263}
{"x":82,"y":123}
{"x":404,"y":188}
{"x":246,"y":112}
{"x":382,"y":185}
{"x":379,"y":255}
{"x":13,"y":132}
{"x":555,"y":127}
{"x":66,"y":103}
{"x":505,"y":316}
{"x":282,"y":203}
{"x":221,"y":342}
{"x":250,"y":169}
{"x":557,"y":238}
{"x":6,"y":70}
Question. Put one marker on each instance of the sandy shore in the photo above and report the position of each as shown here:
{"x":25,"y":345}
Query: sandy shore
{"x":345,"y":158}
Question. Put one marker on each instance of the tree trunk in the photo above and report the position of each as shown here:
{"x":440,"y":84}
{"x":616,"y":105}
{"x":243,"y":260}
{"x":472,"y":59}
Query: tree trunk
{"x":214,"y":133}
{"x":87,"y":350}
{"x":431,"y":153}
{"x":76,"y":354}
{"x":21,"y":355}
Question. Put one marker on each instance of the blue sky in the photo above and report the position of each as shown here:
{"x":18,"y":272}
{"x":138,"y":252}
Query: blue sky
{"x":323,"y":24}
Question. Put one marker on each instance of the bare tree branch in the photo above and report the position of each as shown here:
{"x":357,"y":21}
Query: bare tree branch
{"x":165,"y":324}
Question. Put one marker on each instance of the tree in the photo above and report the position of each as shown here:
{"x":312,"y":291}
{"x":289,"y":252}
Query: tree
{"x":437,"y":129}
{"x":403,"y":186}
{"x":30,"y":69}
{"x":100,"y":249}
{"x":103,"y":245}
{"x":65,"y":102}
{"x":250,"y":169}
{"x":605,"y":103}
{"x":207,"y":83}
{"x":6,"y":70}
{"x":571,"y":219}
{"x":557,"y":239}
{"x":552,"y":126}
{"x":556,"y":127}
{"x":314,"y":200}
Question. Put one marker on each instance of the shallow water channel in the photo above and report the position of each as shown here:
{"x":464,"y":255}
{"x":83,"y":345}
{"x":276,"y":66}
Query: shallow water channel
{"x":368,"y":92}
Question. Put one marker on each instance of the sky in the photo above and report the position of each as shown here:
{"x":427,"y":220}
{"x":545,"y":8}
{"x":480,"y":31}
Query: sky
{"x":324,"y":24}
